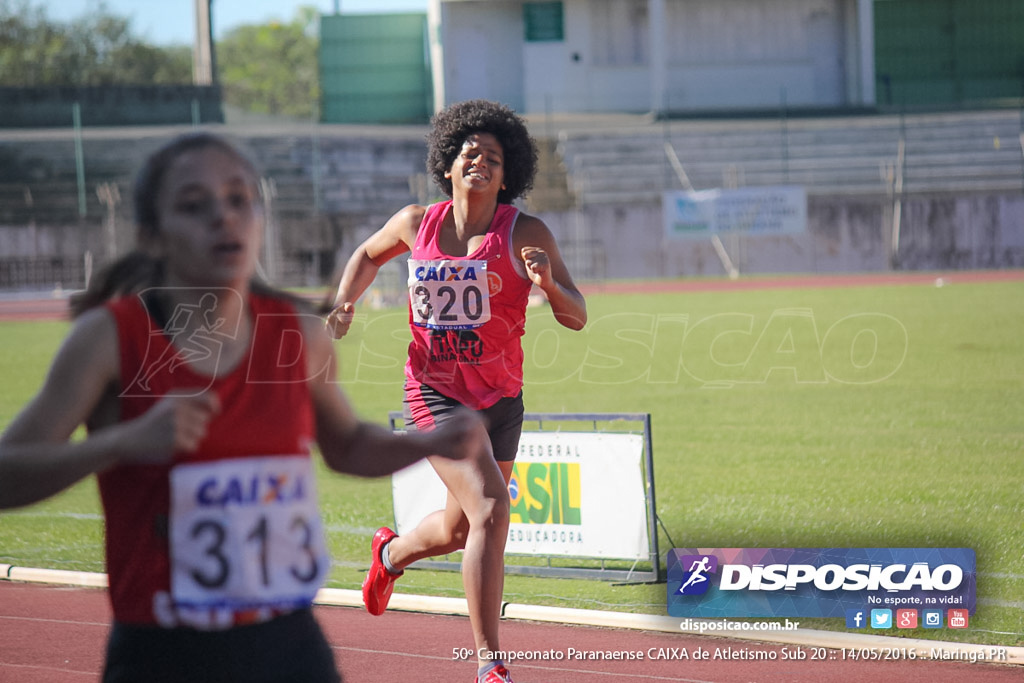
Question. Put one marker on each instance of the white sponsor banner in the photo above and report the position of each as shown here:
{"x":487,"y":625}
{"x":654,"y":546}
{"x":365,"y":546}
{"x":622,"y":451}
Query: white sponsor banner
{"x":573,"y":494}
{"x":749,"y":210}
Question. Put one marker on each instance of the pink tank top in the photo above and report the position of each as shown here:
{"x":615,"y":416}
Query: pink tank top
{"x":467,"y":314}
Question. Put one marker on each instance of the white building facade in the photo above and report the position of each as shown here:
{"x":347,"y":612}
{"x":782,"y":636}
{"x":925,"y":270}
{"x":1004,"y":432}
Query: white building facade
{"x":658,"y":56}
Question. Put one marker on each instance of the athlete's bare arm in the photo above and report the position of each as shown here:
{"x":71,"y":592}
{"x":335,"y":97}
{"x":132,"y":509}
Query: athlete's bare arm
{"x":396,"y":237}
{"x":533,"y":241}
{"x":36,"y":459}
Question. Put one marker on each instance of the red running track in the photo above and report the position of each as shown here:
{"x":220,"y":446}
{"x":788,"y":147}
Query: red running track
{"x":57,"y":635}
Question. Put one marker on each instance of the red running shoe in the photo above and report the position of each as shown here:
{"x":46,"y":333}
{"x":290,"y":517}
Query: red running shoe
{"x":498,"y":674}
{"x":379,"y":581}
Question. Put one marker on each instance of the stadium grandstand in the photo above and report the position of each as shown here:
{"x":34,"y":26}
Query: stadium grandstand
{"x":901,"y":168}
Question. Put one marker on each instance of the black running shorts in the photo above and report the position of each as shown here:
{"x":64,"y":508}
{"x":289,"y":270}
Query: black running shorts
{"x":426,"y":408}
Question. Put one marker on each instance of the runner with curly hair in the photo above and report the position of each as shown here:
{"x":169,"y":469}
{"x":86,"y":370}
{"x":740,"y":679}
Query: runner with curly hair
{"x":473,"y":262}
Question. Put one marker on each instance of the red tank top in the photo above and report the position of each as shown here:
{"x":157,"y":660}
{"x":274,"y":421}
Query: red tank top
{"x":467,"y":314}
{"x":266,"y":413}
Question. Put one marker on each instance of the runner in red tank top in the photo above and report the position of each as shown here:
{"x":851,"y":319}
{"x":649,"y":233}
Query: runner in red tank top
{"x":203,"y":391}
{"x":473,"y":262}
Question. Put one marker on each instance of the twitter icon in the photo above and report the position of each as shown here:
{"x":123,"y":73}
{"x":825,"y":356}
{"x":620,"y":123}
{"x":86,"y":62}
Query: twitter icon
{"x":881,"y":618}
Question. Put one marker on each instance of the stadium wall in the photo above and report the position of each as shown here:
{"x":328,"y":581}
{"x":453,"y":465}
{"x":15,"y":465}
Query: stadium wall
{"x":844,"y":235}
{"x":330,"y":190}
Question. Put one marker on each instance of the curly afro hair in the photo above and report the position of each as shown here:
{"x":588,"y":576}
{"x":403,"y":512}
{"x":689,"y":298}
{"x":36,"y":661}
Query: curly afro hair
{"x":452,"y":126}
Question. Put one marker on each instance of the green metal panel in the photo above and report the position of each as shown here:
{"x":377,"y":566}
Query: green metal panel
{"x":945,"y":52}
{"x":374,"y":69}
{"x":542,"y":21}
{"x":110,"y":105}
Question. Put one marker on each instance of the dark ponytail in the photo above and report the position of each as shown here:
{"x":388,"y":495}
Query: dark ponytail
{"x":132,"y":272}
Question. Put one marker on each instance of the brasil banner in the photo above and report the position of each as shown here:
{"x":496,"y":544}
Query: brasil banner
{"x":572,"y":494}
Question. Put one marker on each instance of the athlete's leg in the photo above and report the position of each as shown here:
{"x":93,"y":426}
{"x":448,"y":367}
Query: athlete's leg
{"x":445,"y":531}
{"x":475,"y":518}
{"x":476,"y":513}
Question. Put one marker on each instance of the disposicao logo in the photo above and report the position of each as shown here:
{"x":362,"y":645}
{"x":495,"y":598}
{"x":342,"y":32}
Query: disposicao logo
{"x":817,"y":582}
{"x":696,"y":580}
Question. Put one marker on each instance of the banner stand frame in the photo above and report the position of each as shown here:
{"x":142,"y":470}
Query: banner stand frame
{"x":632,"y":575}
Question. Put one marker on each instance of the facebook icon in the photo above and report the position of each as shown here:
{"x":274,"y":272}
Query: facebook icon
{"x":856,"y":618}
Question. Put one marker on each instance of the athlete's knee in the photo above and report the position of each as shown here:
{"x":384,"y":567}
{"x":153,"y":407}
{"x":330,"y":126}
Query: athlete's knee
{"x":492,"y":512}
{"x":456,"y":537}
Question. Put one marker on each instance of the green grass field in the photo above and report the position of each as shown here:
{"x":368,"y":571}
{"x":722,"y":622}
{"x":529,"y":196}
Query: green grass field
{"x":860,"y":417}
